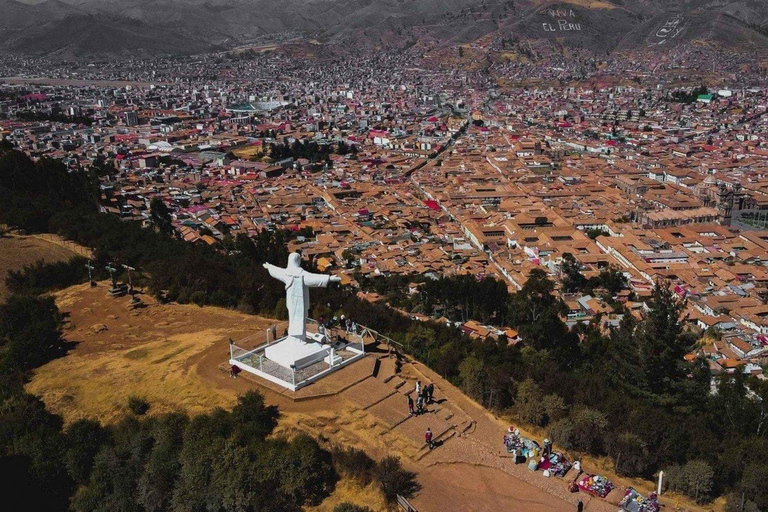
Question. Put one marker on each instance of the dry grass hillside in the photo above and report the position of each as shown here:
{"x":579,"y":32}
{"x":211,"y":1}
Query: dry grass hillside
{"x":150,"y":352}
{"x":17,"y":251}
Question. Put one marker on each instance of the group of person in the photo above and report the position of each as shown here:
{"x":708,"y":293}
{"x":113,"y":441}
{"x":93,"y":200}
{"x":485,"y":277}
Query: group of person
{"x":424,"y":396}
{"x":349,"y":325}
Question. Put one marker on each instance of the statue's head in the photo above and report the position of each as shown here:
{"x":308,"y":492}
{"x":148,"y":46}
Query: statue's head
{"x":294,"y":260}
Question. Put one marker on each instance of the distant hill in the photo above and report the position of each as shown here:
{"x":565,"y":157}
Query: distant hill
{"x":90,"y":34}
{"x":191,"y":26}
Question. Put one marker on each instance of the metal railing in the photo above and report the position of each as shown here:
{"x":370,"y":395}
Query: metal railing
{"x":378,"y":337}
{"x":405,"y":505}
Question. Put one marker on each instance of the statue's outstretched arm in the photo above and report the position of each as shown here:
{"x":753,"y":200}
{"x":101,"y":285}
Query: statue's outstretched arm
{"x":276,"y":272}
{"x":319,"y":280}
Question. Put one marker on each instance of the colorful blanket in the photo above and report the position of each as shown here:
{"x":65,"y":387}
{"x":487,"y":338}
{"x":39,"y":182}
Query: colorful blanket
{"x":595,"y":485}
{"x":557,"y":464}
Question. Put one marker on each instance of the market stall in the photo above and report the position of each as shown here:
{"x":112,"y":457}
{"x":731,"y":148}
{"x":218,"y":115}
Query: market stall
{"x":633,"y":501}
{"x":595,"y":485}
{"x":556,"y":464}
{"x":522,"y":445}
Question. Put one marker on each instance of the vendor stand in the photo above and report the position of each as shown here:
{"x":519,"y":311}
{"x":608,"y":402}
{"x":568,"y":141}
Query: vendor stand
{"x":556,"y":464}
{"x":633,"y":501}
{"x":519,"y":444}
{"x":595,"y":485}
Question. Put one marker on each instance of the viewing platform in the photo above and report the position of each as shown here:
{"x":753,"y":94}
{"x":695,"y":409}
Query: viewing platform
{"x":292,"y":363}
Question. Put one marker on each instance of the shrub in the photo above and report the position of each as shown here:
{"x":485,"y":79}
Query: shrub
{"x":630,"y":455}
{"x":589,"y":428}
{"x":394,"y":480}
{"x":353,"y":463}
{"x":695,"y":479}
{"x":528,"y":402}
{"x":40,"y":276}
{"x":562,"y":433}
{"x":138,"y":405}
{"x":220,"y":298}
{"x":554,"y":408}
{"x":198,"y":298}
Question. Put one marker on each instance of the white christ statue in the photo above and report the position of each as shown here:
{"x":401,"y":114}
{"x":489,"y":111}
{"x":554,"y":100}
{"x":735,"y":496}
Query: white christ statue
{"x":297,"y":284}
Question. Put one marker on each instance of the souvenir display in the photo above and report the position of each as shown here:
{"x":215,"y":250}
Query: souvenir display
{"x":595,"y":485}
{"x":557,"y":464}
{"x":635,"y":502}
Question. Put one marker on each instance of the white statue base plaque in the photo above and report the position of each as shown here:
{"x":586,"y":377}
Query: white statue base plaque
{"x":293,"y":352}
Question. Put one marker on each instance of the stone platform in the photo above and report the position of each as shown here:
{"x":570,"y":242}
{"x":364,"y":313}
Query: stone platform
{"x":292,"y":363}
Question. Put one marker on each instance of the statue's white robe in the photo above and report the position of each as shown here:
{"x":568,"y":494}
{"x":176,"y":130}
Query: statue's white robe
{"x":297,"y":284}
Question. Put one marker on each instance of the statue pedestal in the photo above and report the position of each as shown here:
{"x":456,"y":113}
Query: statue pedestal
{"x":294,"y":352}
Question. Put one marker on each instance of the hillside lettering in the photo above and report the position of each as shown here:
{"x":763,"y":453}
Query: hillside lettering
{"x":561,"y":26}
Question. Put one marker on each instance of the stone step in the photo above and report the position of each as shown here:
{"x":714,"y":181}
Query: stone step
{"x":415,"y":427}
{"x":424,"y":451}
{"x":386,"y":368}
{"x":395,"y":382}
{"x":392,"y":410}
{"x":370,"y":392}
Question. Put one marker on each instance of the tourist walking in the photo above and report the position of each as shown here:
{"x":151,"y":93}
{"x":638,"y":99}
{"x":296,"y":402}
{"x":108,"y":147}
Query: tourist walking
{"x":418,"y":388}
{"x":428,"y":438}
{"x":410,"y":405}
{"x":430,"y":392}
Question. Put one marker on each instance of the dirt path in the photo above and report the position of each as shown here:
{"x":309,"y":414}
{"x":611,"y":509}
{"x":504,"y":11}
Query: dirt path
{"x":480,"y":488}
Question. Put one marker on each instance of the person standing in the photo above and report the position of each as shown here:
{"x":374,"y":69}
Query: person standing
{"x":580,"y":506}
{"x":419,"y":404}
{"x":428,"y":438}
{"x":410,"y":405}
{"x":430,"y":392}
{"x":547,"y":448}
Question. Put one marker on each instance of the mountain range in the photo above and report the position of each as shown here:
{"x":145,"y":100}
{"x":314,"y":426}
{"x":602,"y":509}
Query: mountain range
{"x":134,"y":27}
